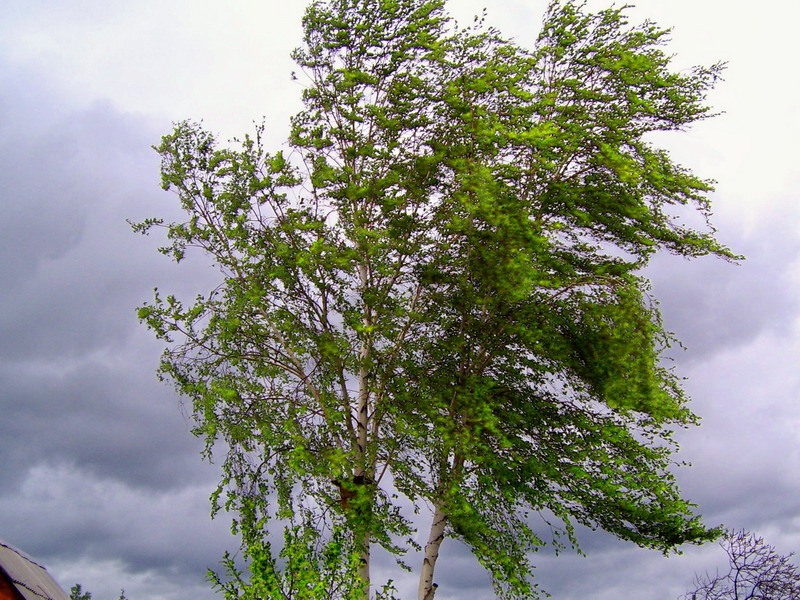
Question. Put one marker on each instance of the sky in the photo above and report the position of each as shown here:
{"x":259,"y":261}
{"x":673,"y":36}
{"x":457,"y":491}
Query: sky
{"x":100,"y":477}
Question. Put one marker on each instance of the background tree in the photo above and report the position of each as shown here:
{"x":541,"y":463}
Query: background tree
{"x":757,"y":572}
{"x":436,"y":294}
{"x":76,"y":593}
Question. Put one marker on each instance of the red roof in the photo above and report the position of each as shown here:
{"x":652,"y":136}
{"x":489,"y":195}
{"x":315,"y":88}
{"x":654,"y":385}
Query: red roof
{"x":29,"y":577}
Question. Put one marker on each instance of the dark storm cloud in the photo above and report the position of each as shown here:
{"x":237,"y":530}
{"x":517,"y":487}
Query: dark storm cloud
{"x":68,"y":258}
{"x":97,"y":456}
{"x":746,"y":448}
{"x":73,"y":379}
{"x":166,"y":534}
{"x":110,"y":419}
{"x":713,"y":305}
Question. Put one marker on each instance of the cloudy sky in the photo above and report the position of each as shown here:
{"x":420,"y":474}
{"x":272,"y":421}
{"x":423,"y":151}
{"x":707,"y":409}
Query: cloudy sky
{"x":100,"y":478}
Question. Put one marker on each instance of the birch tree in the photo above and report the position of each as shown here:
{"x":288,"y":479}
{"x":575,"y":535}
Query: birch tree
{"x":432,"y":296}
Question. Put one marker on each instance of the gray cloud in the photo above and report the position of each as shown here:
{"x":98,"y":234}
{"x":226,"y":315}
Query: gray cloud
{"x":712,"y":305}
{"x":165,"y":534}
{"x":745,"y":449}
{"x":71,"y":267}
{"x":115,"y":422}
{"x":97,"y":456}
{"x":74,"y":381}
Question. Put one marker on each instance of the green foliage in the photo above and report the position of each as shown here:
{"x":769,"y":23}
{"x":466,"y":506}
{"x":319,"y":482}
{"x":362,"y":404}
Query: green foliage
{"x":440,"y":282}
{"x":76,"y":593}
{"x":309,"y":566}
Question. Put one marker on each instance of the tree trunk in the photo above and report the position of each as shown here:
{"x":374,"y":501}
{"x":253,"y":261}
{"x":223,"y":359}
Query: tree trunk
{"x":364,"y":506}
{"x":427,"y":588}
{"x":363,"y":564}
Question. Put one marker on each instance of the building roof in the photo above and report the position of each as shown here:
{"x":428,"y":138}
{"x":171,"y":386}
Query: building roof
{"x":29,"y":577}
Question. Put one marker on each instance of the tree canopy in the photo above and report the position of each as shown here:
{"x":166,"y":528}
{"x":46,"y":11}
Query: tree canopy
{"x":433,"y":296}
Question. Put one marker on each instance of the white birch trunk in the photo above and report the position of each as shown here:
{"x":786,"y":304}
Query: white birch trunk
{"x":427,"y":588}
{"x":362,"y":421}
{"x":361,"y":472}
{"x":363,"y":565}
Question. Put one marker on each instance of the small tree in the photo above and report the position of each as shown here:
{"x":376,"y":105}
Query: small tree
{"x":77,"y":593}
{"x":435,"y":294}
{"x":757,"y":572}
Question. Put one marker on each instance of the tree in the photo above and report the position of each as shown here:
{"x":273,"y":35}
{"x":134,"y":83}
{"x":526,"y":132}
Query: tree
{"x":757,"y":572}
{"x":77,"y":593}
{"x":436,"y":295}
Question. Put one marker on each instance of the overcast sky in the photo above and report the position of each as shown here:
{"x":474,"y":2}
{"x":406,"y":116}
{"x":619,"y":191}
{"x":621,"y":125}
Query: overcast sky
{"x":100,"y":478}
